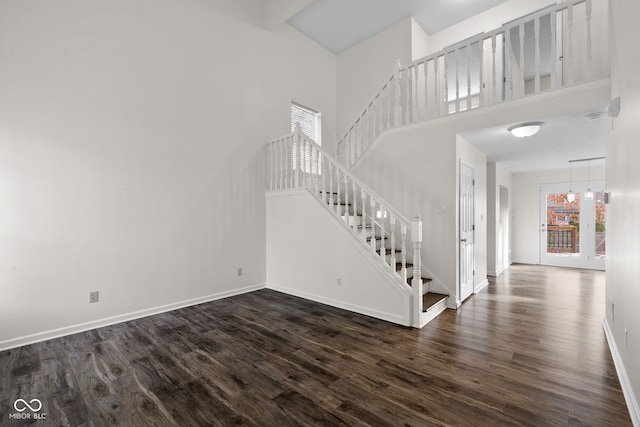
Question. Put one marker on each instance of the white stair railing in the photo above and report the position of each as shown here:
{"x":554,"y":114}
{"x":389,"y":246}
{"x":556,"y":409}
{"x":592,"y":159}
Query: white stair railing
{"x":539,"y":52}
{"x":295,"y":161}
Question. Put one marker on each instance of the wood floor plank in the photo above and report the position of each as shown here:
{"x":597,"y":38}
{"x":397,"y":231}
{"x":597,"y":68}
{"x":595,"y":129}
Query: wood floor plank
{"x":528,"y":351}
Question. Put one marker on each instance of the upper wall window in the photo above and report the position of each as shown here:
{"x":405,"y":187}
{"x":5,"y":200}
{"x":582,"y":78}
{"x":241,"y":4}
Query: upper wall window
{"x":309,"y":121}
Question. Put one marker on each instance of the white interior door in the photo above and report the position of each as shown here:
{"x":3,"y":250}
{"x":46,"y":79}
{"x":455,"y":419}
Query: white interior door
{"x":572,"y":233}
{"x":466,"y":231}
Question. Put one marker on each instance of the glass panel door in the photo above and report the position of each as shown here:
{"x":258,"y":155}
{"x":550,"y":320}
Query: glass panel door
{"x":572,"y":231}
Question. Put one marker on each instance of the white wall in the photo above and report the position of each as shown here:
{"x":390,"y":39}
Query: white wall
{"x":471,"y":156}
{"x":307,"y":252}
{"x":131,"y":138}
{"x":623,"y":181}
{"x":419,"y":41}
{"x":363,"y":69}
{"x":414,"y":167}
{"x":498,"y":223}
{"x":526,"y":207}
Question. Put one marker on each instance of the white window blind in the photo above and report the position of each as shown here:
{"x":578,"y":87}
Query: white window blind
{"x":309,"y":121}
{"x":310,"y":124}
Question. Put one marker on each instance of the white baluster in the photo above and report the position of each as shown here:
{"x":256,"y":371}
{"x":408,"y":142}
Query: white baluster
{"x":521,"y":32}
{"x":403,"y":270}
{"x":482,"y":95}
{"x":468,"y":77}
{"x":322,"y":164}
{"x":392,"y":246}
{"x":347,"y":211}
{"x":354,"y":224}
{"x":416,"y":104}
{"x":436,"y":77}
{"x":589,"y":10}
{"x":397,"y":121}
{"x":316,"y":174}
{"x":554,"y":72}
{"x":409,"y":97}
{"x":536,"y":37}
{"x":363,"y":217}
{"x":457,"y":80}
{"x":329,"y":168}
{"x":373,"y":223}
{"x":338,"y":206}
{"x":383,"y":252}
{"x":569,"y":58}
{"x":508,"y":89}
{"x":416,"y":283}
{"x":494,"y":76}
{"x":426,"y":89}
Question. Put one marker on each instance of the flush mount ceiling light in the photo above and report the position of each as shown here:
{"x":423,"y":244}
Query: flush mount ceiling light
{"x":524,"y":130}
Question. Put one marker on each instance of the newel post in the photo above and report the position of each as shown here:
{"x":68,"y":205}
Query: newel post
{"x":297,"y":153}
{"x":416,"y":282}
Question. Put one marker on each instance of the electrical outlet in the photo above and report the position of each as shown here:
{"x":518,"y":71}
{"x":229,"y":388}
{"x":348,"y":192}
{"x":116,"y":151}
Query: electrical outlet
{"x":339,"y":281}
{"x":94,"y":296}
{"x":240,"y":271}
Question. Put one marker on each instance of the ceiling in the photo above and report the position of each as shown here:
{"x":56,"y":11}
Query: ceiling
{"x":562,"y":138}
{"x":340,"y":24}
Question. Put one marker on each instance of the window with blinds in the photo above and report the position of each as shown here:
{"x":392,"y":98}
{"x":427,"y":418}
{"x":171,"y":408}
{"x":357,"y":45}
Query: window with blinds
{"x":309,"y":121}
{"x":310,"y":124}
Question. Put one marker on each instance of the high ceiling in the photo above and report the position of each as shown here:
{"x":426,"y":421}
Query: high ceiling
{"x":340,"y":24}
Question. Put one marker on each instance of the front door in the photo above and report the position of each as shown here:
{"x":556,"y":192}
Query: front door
{"x":467,"y":228}
{"x":572,"y":232}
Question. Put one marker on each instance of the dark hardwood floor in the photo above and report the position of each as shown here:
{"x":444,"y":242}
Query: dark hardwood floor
{"x":529,"y":350}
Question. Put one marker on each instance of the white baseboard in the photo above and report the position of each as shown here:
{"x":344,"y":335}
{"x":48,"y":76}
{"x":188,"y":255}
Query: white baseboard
{"x":389,"y":317}
{"x":481,"y":286}
{"x":629,"y":397}
{"x":94,"y":324}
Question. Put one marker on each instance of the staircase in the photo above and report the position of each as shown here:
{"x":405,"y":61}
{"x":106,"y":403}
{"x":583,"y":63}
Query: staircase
{"x":546,"y":50}
{"x":296,"y":162}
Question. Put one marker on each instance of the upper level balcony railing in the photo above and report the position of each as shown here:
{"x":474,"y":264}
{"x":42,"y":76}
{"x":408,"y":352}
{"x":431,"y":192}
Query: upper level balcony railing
{"x":562,"y":45}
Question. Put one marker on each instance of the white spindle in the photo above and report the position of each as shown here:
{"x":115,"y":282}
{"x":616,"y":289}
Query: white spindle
{"x":397,"y":113}
{"x":508,"y":73}
{"x":416,"y":283}
{"x":469,"y":76}
{"x":481,"y":86}
{"x":521,"y":32}
{"x":363,"y":217}
{"x":536,"y":37}
{"x":416,"y":104}
{"x":383,"y":252}
{"x":330,"y":168}
{"x":338,"y":204}
{"x":494,"y":73}
{"x":317,"y":176}
{"x":347,"y":211}
{"x":323,"y":176}
{"x":403,"y":267}
{"x":589,"y":9}
{"x":355,"y":206}
{"x":372,"y":242}
{"x":569,"y":58}
{"x":408,"y":90}
{"x":436,"y":79}
{"x":426,"y":89}
{"x":392,"y":246}
{"x":554,"y":71}
{"x":457,"y":80}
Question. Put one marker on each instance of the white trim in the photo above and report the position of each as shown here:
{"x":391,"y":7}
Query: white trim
{"x":389,"y":317}
{"x":627,"y":390}
{"x":94,"y":324}
{"x":481,"y":286}
{"x":433,"y":312}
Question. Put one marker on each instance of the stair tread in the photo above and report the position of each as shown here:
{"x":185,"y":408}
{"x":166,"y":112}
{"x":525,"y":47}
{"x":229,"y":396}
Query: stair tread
{"x":388,"y":251}
{"x":430,"y":299}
